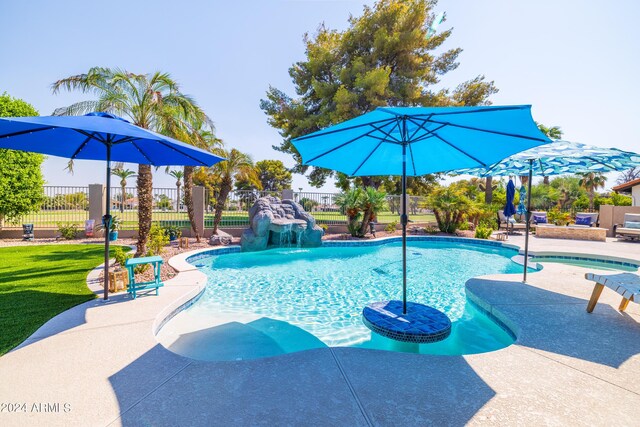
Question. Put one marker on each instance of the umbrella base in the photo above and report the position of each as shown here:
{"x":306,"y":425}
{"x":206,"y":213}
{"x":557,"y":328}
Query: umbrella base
{"x":422,"y":324}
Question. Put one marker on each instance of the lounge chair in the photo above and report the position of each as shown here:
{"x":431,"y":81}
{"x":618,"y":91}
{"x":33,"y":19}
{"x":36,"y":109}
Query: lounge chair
{"x":630,"y":229}
{"x":626,"y":284}
{"x":509,"y":224}
{"x":587,"y":219}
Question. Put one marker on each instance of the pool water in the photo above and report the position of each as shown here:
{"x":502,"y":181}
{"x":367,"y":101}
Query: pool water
{"x":587,"y":263}
{"x":259,"y":304}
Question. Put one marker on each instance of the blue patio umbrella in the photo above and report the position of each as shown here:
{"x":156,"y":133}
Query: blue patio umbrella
{"x":99,"y":136}
{"x":559,"y":157}
{"x":522,"y":209}
{"x":413,"y":141}
{"x":509,"y":208}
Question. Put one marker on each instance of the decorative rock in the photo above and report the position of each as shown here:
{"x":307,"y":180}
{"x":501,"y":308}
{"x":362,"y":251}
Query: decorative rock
{"x":273,"y":220}
{"x":220,"y":238}
{"x":422,"y":324}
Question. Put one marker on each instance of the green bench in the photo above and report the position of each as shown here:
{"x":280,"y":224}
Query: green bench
{"x":134,"y":287}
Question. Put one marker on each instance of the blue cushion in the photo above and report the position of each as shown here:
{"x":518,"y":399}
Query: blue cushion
{"x":540,"y":219}
{"x":632,"y":224}
{"x":583,"y":220}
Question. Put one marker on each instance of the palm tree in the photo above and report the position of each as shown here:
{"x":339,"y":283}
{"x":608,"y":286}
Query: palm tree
{"x":373,"y":201}
{"x":238,"y":166}
{"x":146,"y":100}
{"x":198,"y":133}
{"x":591,"y":181}
{"x":178,"y":175}
{"x":123,"y":174}
{"x":553,"y":132}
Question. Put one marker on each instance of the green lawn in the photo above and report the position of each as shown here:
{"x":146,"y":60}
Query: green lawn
{"x":38,"y":282}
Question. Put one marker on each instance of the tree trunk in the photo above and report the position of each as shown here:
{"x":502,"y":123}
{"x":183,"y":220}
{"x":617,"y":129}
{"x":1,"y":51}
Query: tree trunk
{"x":178,"y":198}
{"x":225,"y":188}
{"x":592,"y":195}
{"x":188,"y":199}
{"x":488,"y":190}
{"x":124,"y":196}
{"x":145,"y":207}
{"x":366,"y":219}
{"x":545,"y":180}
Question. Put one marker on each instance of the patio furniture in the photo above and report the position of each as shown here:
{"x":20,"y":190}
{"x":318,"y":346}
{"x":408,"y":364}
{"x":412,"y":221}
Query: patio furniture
{"x":586,"y":219}
{"x":630,"y":229}
{"x":134,"y":287}
{"x":510,"y":224}
{"x":571,"y":232}
{"x":626,"y":284}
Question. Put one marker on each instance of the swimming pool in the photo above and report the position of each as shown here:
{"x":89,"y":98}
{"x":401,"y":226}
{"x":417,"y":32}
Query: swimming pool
{"x":259,"y":304}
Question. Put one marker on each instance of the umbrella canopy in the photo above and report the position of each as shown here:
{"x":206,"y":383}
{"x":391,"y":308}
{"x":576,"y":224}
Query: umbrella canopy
{"x":420,"y":140}
{"x":509,"y":208}
{"x":522,"y":209}
{"x":88,"y":138}
{"x":99,"y":136}
{"x":557,"y":158}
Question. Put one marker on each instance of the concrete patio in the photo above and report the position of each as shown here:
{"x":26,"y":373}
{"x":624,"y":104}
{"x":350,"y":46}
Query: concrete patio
{"x":567,"y":367}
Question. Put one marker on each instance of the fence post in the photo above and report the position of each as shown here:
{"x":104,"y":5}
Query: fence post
{"x":198,"y":208}
{"x":97,"y":199}
{"x":287,"y":194}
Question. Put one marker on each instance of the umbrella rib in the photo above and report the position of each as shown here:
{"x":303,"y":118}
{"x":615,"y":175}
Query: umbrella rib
{"x":342,"y":145}
{"x":413,"y":162}
{"x":464,"y":153}
{"x":601,"y":162}
{"x":489,"y":131}
{"x":81,"y":147}
{"x":180,"y":151}
{"x":9,"y":135}
{"x":421,"y":126}
{"x":302,"y":138}
{"x":141,"y":152}
{"x":367,"y":158}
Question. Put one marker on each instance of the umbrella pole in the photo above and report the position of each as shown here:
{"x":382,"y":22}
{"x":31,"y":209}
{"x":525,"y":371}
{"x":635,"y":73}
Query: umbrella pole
{"x":404,"y":220}
{"x":528,"y":218}
{"x":106,"y":221}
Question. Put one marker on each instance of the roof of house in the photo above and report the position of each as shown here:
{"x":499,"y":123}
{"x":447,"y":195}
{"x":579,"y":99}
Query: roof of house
{"x":627,"y":186}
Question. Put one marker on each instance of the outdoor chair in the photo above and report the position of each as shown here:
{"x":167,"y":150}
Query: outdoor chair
{"x":630,"y":229}
{"x":626,"y":284}
{"x":509,"y":224}
{"x":586,"y":219}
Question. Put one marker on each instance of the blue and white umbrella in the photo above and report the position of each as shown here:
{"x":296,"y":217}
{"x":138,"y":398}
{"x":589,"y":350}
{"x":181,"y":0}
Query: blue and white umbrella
{"x":522,"y":209}
{"x":557,"y":158}
{"x":560,"y":157}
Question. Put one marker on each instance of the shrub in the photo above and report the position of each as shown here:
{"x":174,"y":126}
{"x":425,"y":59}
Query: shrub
{"x":158,"y":239}
{"x":483,"y":232}
{"x":391,"y":227}
{"x":557,"y":217}
{"x":429,"y":229}
{"x":173,"y":230}
{"x":68,"y":231}
{"x":449,"y":206}
{"x":121,"y":256}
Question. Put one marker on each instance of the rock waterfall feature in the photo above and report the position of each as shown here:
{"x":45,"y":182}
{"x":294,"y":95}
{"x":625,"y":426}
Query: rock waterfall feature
{"x":275,"y":222}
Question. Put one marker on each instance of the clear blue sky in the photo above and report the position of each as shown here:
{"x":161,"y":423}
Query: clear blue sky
{"x":576,"y":62}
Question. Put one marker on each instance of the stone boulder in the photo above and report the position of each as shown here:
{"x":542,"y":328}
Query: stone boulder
{"x":278,"y":222}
